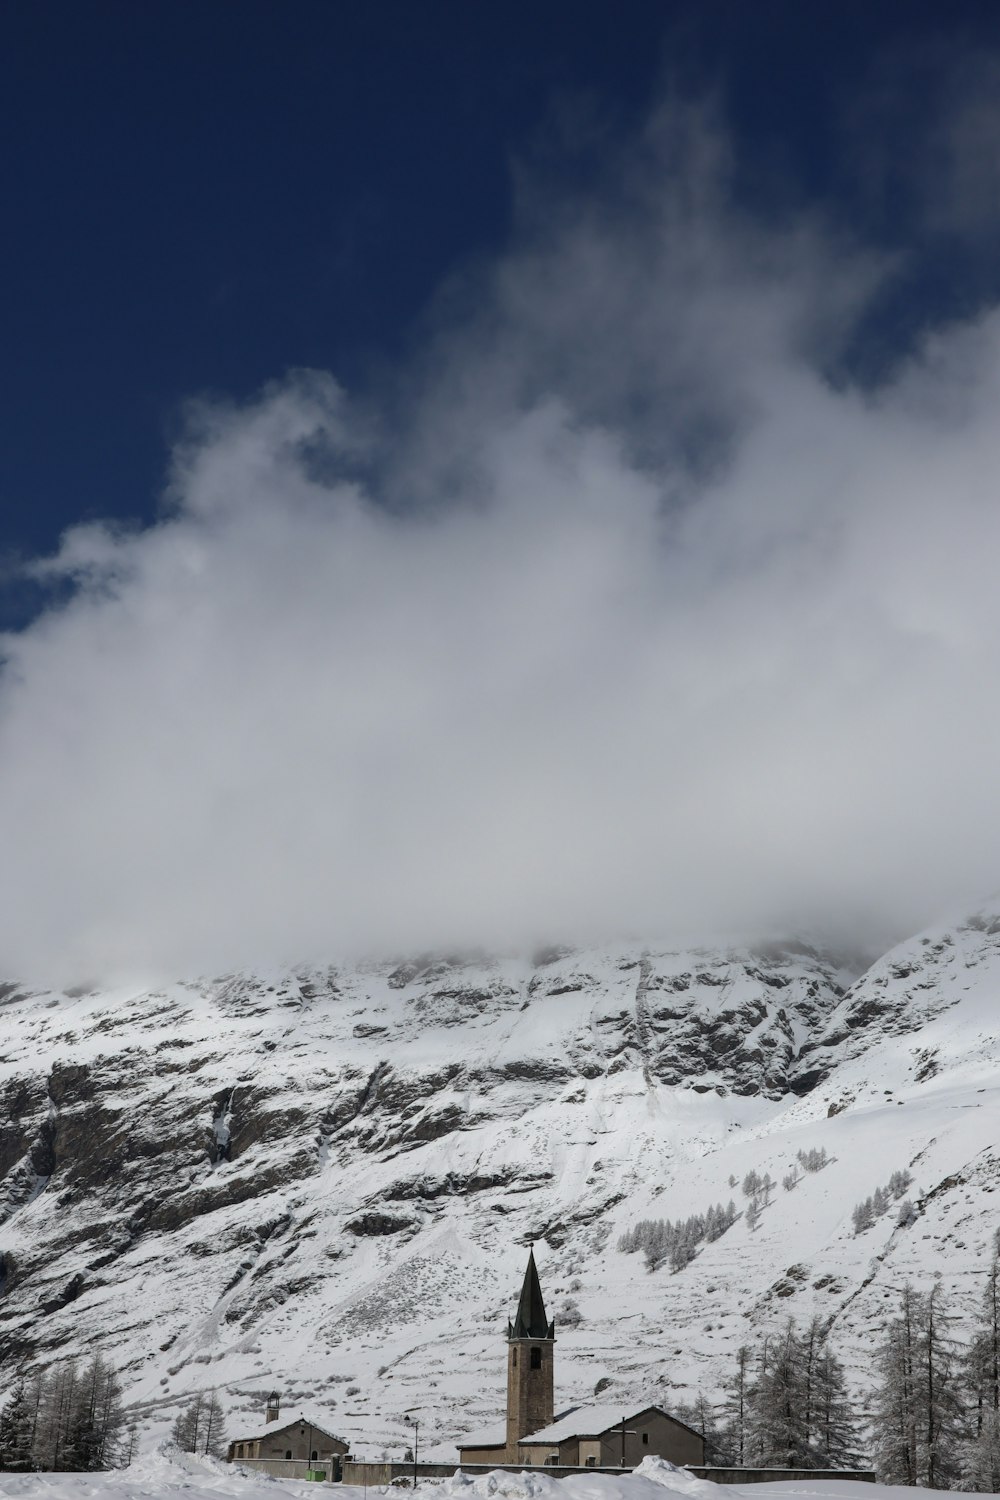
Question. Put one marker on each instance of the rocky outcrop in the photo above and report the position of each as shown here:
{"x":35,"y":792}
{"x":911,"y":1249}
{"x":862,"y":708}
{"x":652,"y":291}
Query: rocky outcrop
{"x":226,"y":1169}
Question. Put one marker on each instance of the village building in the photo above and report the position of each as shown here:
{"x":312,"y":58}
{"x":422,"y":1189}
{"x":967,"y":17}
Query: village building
{"x":605,"y":1437}
{"x":303,"y":1439}
{"x":588,"y":1436}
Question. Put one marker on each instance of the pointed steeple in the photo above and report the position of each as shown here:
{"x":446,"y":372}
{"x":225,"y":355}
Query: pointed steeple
{"x":530,"y":1321}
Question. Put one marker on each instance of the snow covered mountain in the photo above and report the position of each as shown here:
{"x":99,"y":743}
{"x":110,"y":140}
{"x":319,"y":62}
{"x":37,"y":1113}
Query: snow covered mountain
{"x":326,"y":1181}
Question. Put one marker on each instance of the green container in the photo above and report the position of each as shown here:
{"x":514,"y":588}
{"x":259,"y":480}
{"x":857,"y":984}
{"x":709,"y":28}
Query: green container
{"x":315,"y":1473}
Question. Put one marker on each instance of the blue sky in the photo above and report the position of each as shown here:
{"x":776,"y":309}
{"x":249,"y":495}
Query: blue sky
{"x":200,"y":195}
{"x":481,"y":475}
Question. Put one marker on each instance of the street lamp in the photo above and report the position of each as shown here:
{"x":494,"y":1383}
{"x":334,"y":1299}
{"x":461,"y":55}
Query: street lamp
{"x":415,"y":1424}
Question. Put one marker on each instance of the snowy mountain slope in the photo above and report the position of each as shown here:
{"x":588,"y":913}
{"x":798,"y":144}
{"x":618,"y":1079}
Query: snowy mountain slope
{"x":326,"y":1181}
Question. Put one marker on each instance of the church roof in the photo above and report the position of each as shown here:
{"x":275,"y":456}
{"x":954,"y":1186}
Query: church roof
{"x":271,"y":1429}
{"x":530,"y":1321}
{"x":592,"y":1422}
{"x":492,"y":1437}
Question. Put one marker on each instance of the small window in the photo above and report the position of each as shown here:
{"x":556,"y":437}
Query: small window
{"x":314,"y":1455}
{"x":536,"y":1359}
{"x":553,"y":1458}
{"x":288,"y":1452}
{"x":645,"y":1440}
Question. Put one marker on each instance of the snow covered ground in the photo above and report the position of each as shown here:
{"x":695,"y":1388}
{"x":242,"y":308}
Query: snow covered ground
{"x":159,"y":1475}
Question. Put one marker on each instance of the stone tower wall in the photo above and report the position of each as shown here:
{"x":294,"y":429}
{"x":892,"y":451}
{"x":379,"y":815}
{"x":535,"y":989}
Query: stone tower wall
{"x":530,"y":1393}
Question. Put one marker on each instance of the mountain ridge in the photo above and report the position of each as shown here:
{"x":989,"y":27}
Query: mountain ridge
{"x":326,"y":1179}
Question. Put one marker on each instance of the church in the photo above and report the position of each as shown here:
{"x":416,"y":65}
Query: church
{"x":582,"y":1436}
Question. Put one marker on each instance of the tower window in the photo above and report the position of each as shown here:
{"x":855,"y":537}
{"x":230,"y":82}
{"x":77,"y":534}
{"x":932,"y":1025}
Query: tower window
{"x":536,"y":1359}
{"x":645,"y":1439}
{"x":514,"y":1352}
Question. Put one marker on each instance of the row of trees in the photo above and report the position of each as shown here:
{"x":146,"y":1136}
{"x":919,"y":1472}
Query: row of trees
{"x":199,"y":1427}
{"x":936,"y":1416}
{"x":869,"y":1209}
{"x":663,"y":1240}
{"x":785,"y":1406}
{"x":758,"y":1187}
{"x":69,"y":1419}
{"x":73,"y":1419}
{"x":932,"y":1419}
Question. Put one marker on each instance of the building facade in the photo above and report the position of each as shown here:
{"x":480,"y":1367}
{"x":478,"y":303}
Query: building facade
{"x":588,"y":1437}
{"x":301,"y":1439}
{"x":605,"y":1437}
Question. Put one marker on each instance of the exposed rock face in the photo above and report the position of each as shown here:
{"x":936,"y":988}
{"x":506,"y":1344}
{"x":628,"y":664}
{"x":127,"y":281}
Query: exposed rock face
{"x":340,"y":1168}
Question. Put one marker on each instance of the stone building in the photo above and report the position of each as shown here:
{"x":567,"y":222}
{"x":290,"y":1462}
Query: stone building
{"x":593,"y":1437}
{"x":606,"y":1437}
{"x":302,"y":1439}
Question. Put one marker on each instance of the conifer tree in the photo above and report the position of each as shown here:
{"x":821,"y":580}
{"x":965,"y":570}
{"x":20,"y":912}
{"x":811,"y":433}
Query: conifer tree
{"x":55,"y":1417}
{"x":77,"y":1418}
{"x":188,"y":1425}
{"x":213,"y":1426}
{"x":16,"y":1429}
{"x":795,"y":1411}
{"x":108,"y":1415}
{"x":705,"y":1422}
{"x":735,"y":1409}
{"x":835,"y":1438}
{"x":916,"y":1424}
{"x":778,"y":1404}
{"x":981,"y":1379}
{"x":198,"y":1427}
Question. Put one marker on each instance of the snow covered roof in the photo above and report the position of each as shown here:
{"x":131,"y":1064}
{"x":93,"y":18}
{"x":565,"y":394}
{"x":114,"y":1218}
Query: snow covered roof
{"x":271,"y":1429}
{"x":493,"y":1438}
{"x":592,"y":1421}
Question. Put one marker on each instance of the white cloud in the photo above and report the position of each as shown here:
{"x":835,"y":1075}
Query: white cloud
{"x":636,"y":623}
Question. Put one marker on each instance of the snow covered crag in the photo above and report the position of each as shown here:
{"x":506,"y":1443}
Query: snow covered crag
{"x":326,"y":1181}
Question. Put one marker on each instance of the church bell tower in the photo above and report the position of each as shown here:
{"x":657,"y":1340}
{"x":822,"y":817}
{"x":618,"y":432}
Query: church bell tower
{"x":530,"y":1364}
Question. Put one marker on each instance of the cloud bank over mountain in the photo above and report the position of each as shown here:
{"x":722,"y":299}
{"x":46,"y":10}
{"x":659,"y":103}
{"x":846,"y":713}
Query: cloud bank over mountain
{"x":622,"y":610}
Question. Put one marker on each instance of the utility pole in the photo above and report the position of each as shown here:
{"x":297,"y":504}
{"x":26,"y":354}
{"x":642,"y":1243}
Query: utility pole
{"x":416,"y":1442}
{"x":626,"y":1432}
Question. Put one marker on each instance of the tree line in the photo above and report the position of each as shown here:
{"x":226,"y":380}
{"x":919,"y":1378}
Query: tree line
{"x":785,"y":1405}
{"x":70,"y":1418}
{"x":662,"y":1240}
{"x":666,"y":1242}
{"x":199,"y":1426}
{"x":931,"y":1419}
{"x":864,"y":1214}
